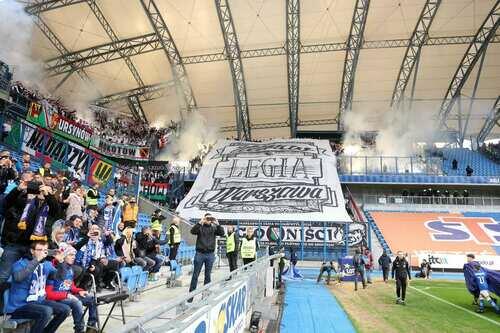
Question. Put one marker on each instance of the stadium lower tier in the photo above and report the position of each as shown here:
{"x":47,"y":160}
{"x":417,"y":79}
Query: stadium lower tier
{"x":443,"y":238}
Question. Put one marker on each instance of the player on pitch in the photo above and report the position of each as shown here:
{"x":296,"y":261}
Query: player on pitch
{"x":401,"y":270}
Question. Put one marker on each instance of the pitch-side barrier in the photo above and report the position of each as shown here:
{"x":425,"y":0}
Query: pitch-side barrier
{"x":227,"y":302}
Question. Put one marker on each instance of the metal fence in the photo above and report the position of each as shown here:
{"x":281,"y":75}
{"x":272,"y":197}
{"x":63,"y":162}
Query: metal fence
{"x":178,"y":315}
{"x":430,"y":200}
{"x":363,"y":165}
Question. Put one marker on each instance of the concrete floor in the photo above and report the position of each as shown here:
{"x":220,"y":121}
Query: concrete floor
{"x":155,"y":295}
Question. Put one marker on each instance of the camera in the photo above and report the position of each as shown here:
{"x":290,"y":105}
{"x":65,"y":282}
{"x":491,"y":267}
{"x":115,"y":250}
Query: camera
{"x":33,"y":187}
{"x":211,"y":219}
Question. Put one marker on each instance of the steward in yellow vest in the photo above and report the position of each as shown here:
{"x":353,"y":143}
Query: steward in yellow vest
{"x":93,"y":196}
{"x":232,"y":246}
{"x":249,"y":246}
{"x":174,"y":238}
{"x":130,"y":213}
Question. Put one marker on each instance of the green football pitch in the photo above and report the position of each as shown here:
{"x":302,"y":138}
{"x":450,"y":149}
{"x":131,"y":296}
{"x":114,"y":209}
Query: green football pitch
{"x":432,"y":306}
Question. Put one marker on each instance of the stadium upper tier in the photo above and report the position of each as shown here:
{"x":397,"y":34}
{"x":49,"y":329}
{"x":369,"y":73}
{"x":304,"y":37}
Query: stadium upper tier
{"x":481,"y":165}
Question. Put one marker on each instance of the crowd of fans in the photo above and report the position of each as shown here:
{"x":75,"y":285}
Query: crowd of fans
{"x":126,"y":130}
{"x":492,"y":150}
{"x":120,"y":130}
{"x":56,"y":237}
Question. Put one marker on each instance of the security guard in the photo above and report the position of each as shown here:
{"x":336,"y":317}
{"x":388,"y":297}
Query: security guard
{"x":156,"y":223}
{"x":232,"y":244}
{"x":174,"y":238}
{"x":93,"y":196}
{"x":249,"y":247}
{"x":45,"y":170}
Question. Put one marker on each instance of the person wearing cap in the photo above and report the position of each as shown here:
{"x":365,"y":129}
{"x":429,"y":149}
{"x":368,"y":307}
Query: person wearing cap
{"x":130,"y":213}
{"x":61,"y":288}
{"x":174,"y":238}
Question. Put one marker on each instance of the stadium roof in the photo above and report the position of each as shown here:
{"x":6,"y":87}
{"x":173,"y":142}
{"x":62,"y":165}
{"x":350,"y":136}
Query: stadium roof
{"x":318,"y":56}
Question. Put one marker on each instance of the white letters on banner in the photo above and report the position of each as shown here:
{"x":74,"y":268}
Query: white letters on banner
{"x":287,"y":180}
{"x":457,"y":261}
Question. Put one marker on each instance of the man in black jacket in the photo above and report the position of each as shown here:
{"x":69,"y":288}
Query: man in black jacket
{"x":206,"y":231}
{"x":401,"y":270}
{"x":17,"y":233}
{"x":385,"y":264}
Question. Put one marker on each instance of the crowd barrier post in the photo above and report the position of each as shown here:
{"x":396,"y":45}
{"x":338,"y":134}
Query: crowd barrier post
{"x":302,"y":240}
{"x":346,"y":239}
{"x":369,"y":235}
{"x":324,"y":241}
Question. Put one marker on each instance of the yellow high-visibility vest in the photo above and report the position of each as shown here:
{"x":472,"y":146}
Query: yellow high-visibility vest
{"x":130,"y":213}
{"x":92,"y":201}
{"x":230,"y":243}
{"x":248,"y":248}
{"x":177,"y":234}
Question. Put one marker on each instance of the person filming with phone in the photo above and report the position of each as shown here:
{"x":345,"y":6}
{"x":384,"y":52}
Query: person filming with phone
{"x":206,"y":231}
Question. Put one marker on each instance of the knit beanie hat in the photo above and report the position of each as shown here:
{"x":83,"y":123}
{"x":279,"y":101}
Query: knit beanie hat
{"x":66,"y":249}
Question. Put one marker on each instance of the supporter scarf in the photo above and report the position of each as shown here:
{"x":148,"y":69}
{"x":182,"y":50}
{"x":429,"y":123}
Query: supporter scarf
{"x":93,"y":249}
{"x":37,"y":287}
{"x":40,"y":220}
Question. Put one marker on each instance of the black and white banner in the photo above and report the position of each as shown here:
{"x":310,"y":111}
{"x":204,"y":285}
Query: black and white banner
{"x":287,"y":180}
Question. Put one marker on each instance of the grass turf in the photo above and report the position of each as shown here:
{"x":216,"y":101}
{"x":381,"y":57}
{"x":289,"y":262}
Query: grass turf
{"x":374,"y":309}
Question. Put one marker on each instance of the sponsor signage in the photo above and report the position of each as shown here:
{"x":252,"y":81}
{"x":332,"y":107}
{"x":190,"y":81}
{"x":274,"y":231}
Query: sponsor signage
{"x":457,"y":261}
{"x":229,"y":315}
{"x":452,"y":235}
{"x":129,"y":152}
{"x":287,"y":180}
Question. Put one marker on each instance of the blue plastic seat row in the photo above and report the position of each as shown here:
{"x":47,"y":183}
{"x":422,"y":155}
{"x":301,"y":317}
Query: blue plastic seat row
{"x":134,"y":279}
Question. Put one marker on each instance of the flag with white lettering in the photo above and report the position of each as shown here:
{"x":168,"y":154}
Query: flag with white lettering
{"x":287,"y":180}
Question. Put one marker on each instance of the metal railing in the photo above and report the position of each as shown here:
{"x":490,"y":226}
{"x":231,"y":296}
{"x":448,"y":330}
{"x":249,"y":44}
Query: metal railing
{"x":254,"y":274}
{"x":363,"y":165}
{"x":430,"y":200}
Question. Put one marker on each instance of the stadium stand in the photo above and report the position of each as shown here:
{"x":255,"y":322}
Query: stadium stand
{"x":481,"y":165}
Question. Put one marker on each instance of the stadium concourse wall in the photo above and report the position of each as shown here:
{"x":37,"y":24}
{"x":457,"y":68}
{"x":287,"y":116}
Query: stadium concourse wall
{"x":441,"y":236}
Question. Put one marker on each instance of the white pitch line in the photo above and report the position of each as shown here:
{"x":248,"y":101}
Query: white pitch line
{"x":457,"y":306}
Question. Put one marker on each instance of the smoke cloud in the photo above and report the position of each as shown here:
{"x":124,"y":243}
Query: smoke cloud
{"x":397,"y":135}
{"x":195,"y":133}
{"x":16,"y":29}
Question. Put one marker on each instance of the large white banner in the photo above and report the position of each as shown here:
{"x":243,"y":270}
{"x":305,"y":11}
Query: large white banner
{"x":277,"y":180}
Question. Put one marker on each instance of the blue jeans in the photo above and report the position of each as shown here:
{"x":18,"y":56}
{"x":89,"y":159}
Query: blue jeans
{"x":41,"y":313}
{"x":201,"y":259}
{"x":11,"y":254}
{"x":77,"y":311}
{"x":159,"y":260}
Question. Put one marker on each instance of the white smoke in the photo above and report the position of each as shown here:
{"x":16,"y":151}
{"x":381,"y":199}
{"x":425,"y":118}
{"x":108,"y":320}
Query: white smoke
{"x":16,"y":32}
{"x":398,"y":134}
{"x":195,"y":133}
{"x":79,"y":98}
